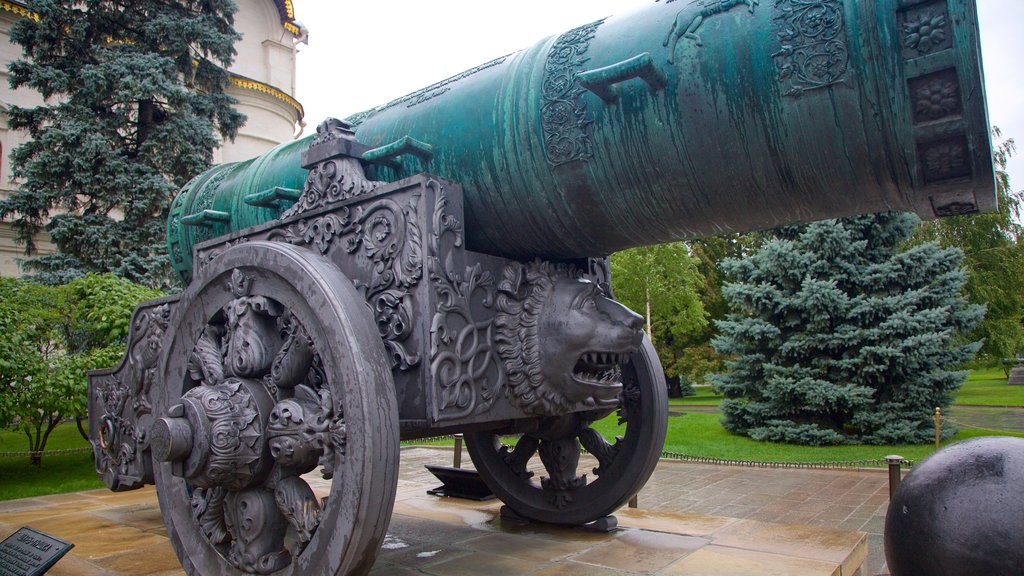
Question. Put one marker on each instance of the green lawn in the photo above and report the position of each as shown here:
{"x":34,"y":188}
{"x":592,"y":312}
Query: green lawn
{"x":58,"y":472}
{"x":988,"y":387}
{"x":700,"y":434}
{"x":704,"y":396}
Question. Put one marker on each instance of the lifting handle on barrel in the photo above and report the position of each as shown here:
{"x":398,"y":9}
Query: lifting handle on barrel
{"x":602,"y":81}
{"x":406,"y":145}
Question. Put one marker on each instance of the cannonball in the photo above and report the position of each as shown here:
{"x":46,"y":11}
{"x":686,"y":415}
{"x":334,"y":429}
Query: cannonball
{"x":960,"y":512}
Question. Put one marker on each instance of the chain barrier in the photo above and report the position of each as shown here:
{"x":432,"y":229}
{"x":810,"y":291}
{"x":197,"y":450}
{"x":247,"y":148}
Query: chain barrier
{"x":820,"y":465}
{"x":27,"y":454}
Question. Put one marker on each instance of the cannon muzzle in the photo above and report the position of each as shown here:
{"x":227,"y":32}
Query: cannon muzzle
{"x":684,"y":119}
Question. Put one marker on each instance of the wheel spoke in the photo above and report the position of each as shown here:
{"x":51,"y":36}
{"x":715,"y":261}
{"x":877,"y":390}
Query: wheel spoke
{"x":594,"y":442}
{"x":561,"y":457}
{"x":519,"y":458}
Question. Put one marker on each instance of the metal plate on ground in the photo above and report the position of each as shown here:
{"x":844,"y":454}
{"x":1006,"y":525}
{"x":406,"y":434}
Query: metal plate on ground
{"x":29,"y":552}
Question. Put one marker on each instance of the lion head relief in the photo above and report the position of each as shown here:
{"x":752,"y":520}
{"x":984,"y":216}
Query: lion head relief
{"x":561,"y":339}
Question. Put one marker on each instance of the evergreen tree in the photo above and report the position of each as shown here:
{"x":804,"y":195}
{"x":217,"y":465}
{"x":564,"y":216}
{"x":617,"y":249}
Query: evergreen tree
{"x":134,"y":95}
{"x":837,"y":335}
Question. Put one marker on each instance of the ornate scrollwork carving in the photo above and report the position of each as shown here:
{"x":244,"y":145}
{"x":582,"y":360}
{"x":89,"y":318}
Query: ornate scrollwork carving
{"x":388,"y":236}
{"x":117,"y":450}
{"x":148,"y":330}
{"x":332,"y":181}
{"x":563,"y":115}
{"x":463,"y":361}
{"x":561,"y":457}
{"x":814,"y":53}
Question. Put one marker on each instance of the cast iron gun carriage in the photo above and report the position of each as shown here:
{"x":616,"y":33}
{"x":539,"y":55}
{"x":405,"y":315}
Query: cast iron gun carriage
{"x":437,"y":264}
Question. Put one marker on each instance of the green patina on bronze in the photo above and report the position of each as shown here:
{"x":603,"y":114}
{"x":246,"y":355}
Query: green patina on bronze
{"x":681,"y":120}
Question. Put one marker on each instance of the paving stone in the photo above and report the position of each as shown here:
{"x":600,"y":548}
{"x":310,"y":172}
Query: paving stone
{"x":672,"y":534}
{"x":479,"y":563}
{"x":720,"y":561}
{"x":640,"y":551}
{"x":143,"y":560}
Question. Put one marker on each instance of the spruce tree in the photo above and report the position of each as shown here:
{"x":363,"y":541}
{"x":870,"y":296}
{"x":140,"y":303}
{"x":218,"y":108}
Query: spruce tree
{"x":134,"y":97}
{"x":837,"y":335}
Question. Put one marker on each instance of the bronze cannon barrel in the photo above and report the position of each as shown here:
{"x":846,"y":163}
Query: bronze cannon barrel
{"x":687,"y":119}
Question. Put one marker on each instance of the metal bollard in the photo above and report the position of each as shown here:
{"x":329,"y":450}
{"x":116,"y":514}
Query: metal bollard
{"x":938,"y":426}
{"x":895,"y":473}
{"x":458,"y":452}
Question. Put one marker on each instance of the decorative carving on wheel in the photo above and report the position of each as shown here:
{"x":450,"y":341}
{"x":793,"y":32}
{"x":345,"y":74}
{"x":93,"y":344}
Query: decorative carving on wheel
{"x":387,"y":235}
{"x":563,"y":114}
{"x":687,"y":22}
{"x":813,"y":52}
{"x":561,"y":340}
{"x":258,"y":416}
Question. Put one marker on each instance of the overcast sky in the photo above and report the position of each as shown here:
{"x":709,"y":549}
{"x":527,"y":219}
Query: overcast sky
{"x":362,"y":53}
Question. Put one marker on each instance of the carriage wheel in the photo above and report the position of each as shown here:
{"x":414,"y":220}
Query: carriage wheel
{"x":564,"y":496}
{"x":275,"y":368}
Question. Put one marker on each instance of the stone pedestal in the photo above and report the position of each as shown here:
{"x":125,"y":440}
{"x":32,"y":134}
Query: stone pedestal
{"x":1016,"y":376}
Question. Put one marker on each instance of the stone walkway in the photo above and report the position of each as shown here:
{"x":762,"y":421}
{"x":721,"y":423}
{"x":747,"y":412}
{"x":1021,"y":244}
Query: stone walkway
{"x":693,"y":519}
{"x":846,"y":499}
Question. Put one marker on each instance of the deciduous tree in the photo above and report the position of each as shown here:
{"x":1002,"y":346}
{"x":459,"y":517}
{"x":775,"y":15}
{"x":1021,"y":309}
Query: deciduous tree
{"x":52,"y":337}
{"x":660,"y":282}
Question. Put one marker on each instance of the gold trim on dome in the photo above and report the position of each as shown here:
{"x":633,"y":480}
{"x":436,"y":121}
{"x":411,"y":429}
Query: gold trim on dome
{"x":248,"y":84}
{"x":19,"y":10}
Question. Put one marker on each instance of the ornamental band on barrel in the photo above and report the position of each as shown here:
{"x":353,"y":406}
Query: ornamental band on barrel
{"x":438,"y":264}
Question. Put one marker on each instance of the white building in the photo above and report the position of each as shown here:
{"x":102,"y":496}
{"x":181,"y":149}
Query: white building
{"x":263,"y":82}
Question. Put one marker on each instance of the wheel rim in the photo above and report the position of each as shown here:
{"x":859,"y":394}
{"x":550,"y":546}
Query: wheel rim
{"x":337,"y":413}
{"x":564,"y":496}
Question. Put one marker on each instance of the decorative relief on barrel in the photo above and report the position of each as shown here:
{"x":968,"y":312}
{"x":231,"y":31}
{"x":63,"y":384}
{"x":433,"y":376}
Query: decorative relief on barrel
{"x":425,"y":94}
{"x":563,"y":114}
{"x":813,"y":51}
{"x":945,"y":159}
{"x":688,"y":20}
{"x":925,"y":29}
{"x":935,"y":96}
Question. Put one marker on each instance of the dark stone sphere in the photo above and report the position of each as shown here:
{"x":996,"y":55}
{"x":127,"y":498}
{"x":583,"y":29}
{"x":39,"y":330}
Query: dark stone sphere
{"x":960,"y":512}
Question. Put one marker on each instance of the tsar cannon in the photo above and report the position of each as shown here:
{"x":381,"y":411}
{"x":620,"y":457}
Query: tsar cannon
{"x":438,"y":264}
